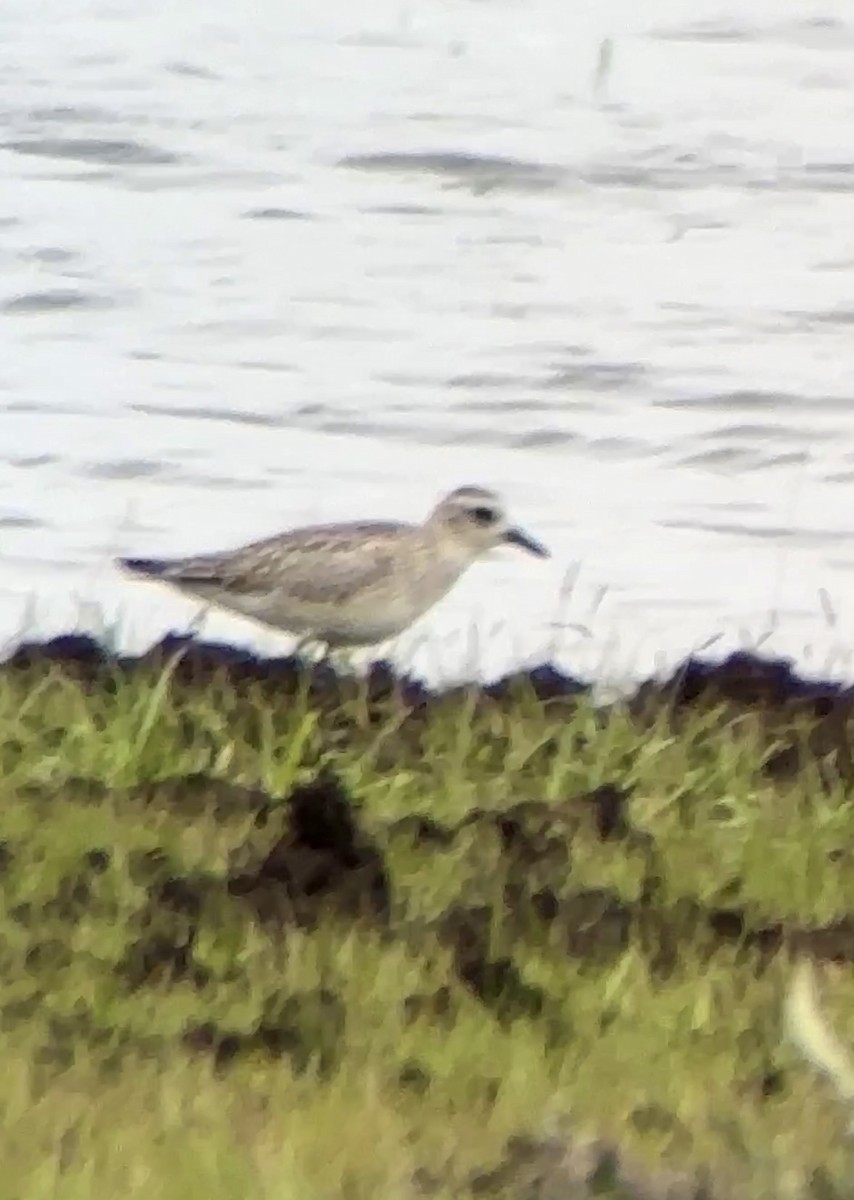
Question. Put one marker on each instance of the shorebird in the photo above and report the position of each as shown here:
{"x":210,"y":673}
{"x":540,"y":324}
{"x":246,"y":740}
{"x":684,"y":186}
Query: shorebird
{"x":346,"y":585}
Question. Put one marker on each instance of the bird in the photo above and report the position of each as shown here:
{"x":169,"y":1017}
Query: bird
{"x":349,"y":585}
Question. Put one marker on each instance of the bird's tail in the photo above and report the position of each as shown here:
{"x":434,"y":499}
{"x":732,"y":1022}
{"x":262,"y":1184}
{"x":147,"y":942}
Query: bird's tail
{"x":153,"y":568}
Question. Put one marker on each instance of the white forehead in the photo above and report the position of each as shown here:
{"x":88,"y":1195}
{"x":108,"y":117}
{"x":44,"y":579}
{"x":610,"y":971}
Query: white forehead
{"x":470,"y":496}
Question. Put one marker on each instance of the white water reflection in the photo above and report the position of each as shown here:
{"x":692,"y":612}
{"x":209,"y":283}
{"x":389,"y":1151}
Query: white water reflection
{"x":325,"y":262}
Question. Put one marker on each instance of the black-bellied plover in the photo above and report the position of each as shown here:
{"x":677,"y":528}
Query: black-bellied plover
{"x":347,"y":585}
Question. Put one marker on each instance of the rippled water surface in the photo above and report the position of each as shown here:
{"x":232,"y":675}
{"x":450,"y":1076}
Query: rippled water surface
{"x":319,"y":261}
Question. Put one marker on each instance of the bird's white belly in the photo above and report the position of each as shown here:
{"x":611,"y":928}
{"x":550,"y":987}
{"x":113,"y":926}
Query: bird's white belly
{"x":339,"y":624}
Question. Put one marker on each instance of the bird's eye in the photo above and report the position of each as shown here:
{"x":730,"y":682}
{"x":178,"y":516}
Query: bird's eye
{"x":484,"y":515}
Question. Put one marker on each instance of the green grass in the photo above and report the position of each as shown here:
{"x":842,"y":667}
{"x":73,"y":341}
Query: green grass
{"x":264,"y":938}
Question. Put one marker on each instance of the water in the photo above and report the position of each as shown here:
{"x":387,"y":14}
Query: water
{"x":325,"y":261}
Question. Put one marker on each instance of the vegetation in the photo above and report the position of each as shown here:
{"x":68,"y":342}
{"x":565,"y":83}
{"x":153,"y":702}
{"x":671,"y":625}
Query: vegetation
{"x":270,"y":934}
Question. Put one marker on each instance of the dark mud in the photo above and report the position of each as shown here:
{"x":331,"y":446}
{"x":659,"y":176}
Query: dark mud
{"x":308,"y":859}
{"x":768,"y":692}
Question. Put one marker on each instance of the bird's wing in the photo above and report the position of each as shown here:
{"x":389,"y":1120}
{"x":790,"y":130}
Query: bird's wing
{"x":315,"y":564}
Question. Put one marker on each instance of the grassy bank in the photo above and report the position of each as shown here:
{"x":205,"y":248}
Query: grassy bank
{"x":272,"y":936}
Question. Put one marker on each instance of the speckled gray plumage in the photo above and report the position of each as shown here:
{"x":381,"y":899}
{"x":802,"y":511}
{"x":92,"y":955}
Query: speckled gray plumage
{"x":345,"y":584}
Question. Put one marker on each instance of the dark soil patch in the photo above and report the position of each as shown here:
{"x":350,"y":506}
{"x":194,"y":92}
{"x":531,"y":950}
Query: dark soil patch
{"x":781,"y":702}
{"x":324,"y":864}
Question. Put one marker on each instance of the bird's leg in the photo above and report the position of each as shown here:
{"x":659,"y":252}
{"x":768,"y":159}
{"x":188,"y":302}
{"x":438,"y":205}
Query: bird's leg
{"x":310,"y":661}
{"x":331,"y":656}
{"x":195,"y":626}
{"x":302,"y":643}
{"x":340,"y":659}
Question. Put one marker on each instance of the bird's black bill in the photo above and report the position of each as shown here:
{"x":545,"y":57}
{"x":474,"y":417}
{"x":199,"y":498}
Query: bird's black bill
{"x":517,"y":537}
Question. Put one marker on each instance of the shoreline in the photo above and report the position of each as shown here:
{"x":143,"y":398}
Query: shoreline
{"x":744,"y":676}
